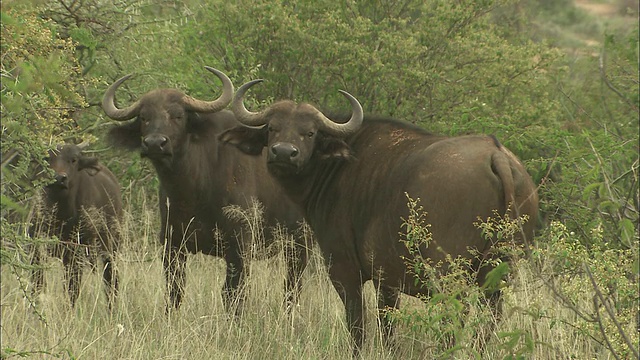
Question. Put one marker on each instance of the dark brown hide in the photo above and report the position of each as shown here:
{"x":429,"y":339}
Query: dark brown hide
{"x":352,"y":192}
{"x":83,"y":207}
{"x":198,"y":178}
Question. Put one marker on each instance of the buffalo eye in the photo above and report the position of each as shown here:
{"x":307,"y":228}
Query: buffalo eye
{"x":310,"y":134}
{"x":74,"y":160}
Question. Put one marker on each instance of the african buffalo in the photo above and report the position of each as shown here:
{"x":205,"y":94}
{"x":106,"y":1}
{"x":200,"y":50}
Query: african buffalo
{"x":199,"y":178}
{"x":83,"y":207}
{"x":350,"y":180}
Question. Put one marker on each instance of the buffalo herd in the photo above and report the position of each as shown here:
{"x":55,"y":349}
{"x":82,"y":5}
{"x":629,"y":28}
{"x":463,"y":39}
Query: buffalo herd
{"x":348,"y":177}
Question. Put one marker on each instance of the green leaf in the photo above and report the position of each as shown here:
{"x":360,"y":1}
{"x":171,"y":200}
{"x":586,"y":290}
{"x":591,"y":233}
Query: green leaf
{"x":589,"y":189}
{"x":493,"y":280}
{"x":6,"y":202}
{"x":83,"y":37}
{"x":609,"y":206}
{"x":627,"y":231}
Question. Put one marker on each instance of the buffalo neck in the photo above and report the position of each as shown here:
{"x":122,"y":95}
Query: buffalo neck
{"x":191,"y":167}
{"x":63,"y":201}
{"x":320,"y":182}
{"x":311,"y":187}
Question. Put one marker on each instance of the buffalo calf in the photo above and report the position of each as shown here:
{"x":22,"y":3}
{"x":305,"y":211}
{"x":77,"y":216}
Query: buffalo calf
{"x":83,"y":208}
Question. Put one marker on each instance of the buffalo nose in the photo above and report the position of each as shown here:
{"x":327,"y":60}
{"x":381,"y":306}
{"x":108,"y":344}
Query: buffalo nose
{"x":155,"y":142}
{"x":284,"y":151}
{"x":61,"y":178}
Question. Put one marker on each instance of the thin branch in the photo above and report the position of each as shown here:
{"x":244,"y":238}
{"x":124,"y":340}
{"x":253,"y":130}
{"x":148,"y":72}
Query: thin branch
{"x":611,"y":314}
{"x":601,"y":327}
{"x":7,"y":158}
{"x":588,"y":114}
{"x":608,"y":83}
{"x":30,"y":298}
{"x":607,"y":182}
{"x":567,"y":302}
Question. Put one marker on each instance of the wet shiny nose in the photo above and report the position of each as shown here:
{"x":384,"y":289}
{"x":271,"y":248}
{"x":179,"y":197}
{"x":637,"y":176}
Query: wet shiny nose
{"x":283,"y":151}
{"x":62,"y":178}
{"x":155,"y":143}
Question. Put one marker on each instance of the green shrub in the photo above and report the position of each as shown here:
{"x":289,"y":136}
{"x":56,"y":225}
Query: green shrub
{"x":39,"y":106}
{"x":603,"y":276}
{"x":457,"y":316}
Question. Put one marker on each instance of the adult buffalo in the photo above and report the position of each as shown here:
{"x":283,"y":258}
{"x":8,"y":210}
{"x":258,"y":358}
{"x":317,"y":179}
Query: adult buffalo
{"x":83,"y":207}
{"x":199,"y":178}
{"x":350,"y":181}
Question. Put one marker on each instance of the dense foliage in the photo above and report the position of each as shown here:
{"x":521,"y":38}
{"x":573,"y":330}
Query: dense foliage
{"x":41,"y":106}
{"x":526,"y":71}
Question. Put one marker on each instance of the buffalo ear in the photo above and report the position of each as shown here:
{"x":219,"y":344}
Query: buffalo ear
{"x":249,"y":140}
{"x":126,"y":136}
{"x":334,"y":148}
{"x":90,"y":164}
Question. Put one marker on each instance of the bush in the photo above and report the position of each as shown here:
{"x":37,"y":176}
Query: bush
{"x":598,"y":273}
{"x":458,"y":317}
{"x":40,"y":105}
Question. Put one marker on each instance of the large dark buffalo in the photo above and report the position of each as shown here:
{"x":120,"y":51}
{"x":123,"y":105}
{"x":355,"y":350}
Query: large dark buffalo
{"x":83,"y":207}
{"x":198,"y":178}
{"x":350,"y":180}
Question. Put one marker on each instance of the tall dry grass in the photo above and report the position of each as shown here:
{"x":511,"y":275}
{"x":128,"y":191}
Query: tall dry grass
{"x":138,"y":327}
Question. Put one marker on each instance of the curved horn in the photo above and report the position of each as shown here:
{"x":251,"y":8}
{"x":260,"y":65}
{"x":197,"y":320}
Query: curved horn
{"x":83,"y":145}
{"x":240,"y":111}
{"x":109,"y":106}
{"x":350,"y":126}
{"x":220,"y":103}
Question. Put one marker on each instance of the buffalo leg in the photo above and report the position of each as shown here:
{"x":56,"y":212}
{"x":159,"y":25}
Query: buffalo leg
{"x":492,"y":295}
{"x":348,"y":283}
{"x":297,"y":258}
{"x":232,"y":290}
{"x":388,"y":298}
{"x":110,"y":278}
{"x":174,"y":263}
{"x":494,"y":301}
{"x":73,"y":275}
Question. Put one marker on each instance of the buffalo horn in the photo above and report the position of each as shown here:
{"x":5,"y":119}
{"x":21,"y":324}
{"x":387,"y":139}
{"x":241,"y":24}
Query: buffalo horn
{"x":242,"y":114}
{"x":83,"y":145}
{"x":109,"y":105}
{"x":256,"y":119}
{"x":215,"y":105}
{"x":342,"y":130}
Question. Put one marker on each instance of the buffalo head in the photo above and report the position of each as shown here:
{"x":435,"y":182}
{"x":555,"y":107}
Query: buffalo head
{"x":67,"y":161}
{"x":163,"y":117}
{"x":294,"y":134}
